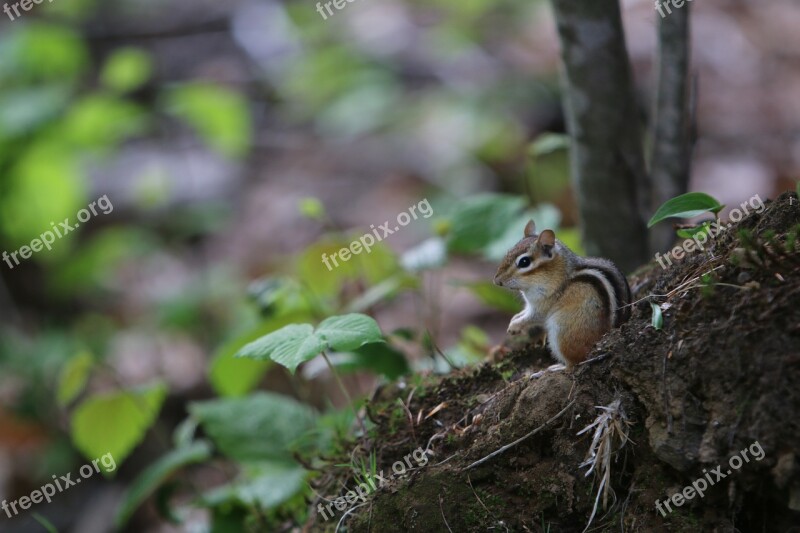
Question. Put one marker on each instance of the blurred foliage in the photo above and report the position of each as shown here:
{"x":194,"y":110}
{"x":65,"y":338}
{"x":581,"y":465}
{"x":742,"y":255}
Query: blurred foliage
{"x":72,"y":101}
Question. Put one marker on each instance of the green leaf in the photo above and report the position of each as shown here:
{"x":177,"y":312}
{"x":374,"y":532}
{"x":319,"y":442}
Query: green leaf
{"x":658,"y":319}
{"x":479,"y":220}
{"x":378,"y":357}
{"x":492,"y":295}
{"x":73,"y":378}
{"x":548,"y":143}
{"x":115,"y":423}
{"x":297,"y":343}
{"x":686,"y":206}
{"x":35,"y":51}
{"x":156,"y":474}
{"x":383,"y":292}
{"x":289,"y":346}
{"x":127,"y":69}
{"x":348,"y":332}
{"x":25,"y":213}
{"x":546,"y":216}
{"x":219,"y":115}
{"x":102,"y":121}
{"x":688,"y":233}
{"x":262,"y":426}
{"x":45,"y":523}
{"x":265,"y":485}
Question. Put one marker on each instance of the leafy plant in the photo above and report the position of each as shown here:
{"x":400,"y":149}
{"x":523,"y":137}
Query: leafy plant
{"x":686,"y":206}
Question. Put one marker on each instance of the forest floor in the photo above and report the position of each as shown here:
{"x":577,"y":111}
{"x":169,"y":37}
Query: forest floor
{"x":716,"y":386}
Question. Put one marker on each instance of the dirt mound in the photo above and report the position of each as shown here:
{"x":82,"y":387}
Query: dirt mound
{"x":711,"y":396}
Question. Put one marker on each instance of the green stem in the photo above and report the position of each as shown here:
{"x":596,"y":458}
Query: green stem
{"x":344,"y":391}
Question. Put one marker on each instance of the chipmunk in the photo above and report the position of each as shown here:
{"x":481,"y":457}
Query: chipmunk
{"x":576,"y":300}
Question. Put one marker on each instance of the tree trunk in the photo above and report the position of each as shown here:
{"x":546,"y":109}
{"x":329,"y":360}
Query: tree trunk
{"x":607,"y":159}
{"x":672,"y":136}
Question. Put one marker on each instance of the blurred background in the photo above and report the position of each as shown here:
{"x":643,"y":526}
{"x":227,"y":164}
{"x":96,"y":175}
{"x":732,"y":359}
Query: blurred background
{"x":238,"y":141}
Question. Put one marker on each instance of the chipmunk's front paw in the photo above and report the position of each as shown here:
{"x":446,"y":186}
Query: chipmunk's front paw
{"x":515,"y":329}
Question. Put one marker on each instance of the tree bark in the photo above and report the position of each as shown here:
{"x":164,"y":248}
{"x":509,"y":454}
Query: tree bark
{"x":606,"y":157}
{"x":672,"y":135}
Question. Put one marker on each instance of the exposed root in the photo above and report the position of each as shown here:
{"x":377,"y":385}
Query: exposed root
{"x":611,"y":426}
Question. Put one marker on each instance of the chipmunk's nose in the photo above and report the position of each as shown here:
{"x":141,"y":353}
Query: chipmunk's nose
{"x":497,"y":281}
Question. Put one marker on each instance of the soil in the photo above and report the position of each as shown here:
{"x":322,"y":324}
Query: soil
{"x":717,"y":385}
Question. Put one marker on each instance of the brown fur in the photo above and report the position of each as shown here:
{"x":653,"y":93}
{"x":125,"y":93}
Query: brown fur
{"x":576,"y":300}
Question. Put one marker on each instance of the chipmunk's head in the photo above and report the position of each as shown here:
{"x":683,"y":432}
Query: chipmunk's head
{"x":529,"y":260}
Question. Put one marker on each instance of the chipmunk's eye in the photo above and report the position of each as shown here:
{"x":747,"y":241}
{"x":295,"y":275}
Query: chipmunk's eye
{"x":524,"y":262}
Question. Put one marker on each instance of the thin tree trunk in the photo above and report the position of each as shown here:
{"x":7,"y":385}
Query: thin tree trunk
{"x":607,"y":159}
{"x":672,"y":135}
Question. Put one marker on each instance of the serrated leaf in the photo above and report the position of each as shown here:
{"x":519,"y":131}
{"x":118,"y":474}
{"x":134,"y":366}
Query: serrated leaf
{"x":262,"y":426}
{"x":348,"y":332}
{"x":289,"y":346}
{"x":73,"y":378}
{"x":156,"y":474}
{"x":686,"y":206}
{"x":115,"y":423}
{"x":658,"y":319}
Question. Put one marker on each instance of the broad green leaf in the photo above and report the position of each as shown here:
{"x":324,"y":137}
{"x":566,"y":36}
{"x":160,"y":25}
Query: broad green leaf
{"x":236,"y":376}
{"x":383,"y":292}
{"x":269,"y":484}
{"x":73,"y":377}
{"x":378,"y":357}
{"x":548,"y":143}
{"x":264,"y":484}
{"x":126,"y":70}
{"x":115,"y":423}
{"x":480,"y":220}
{"x":262,"y":426}
{"x":26,"y":213}
{"x":102,"y":121}
{"x":34,"y":51}
{"x":289,"y":346}
{"x":546,"y":216}
{"x":156,"y":474}
{"x":686,"y":206}
{"x":348,"y":332}
{"x":657,"y":319}
{"x":320,"y":267}
{"x":494,"y":296}
{"x":219,"y":115}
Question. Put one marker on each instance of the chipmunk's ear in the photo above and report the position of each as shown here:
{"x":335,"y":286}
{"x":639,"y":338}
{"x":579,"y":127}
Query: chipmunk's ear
{"x":530,"y":228}
{"x":547,"y":240}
